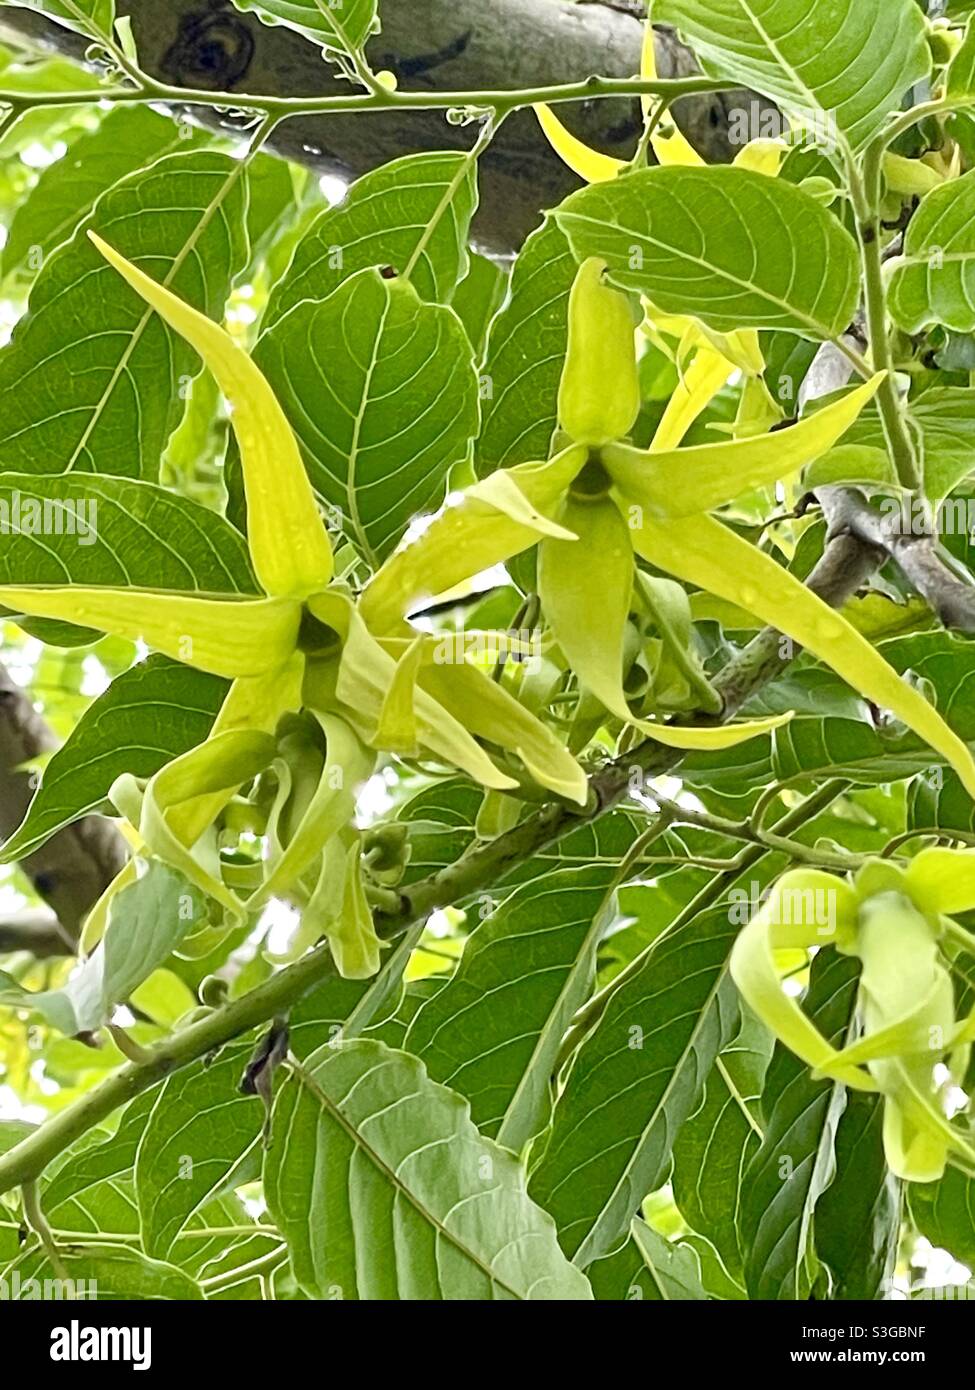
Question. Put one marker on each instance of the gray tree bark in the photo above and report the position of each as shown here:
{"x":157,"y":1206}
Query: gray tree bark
{"x":450,"y":45}
{"x":70,"y":872}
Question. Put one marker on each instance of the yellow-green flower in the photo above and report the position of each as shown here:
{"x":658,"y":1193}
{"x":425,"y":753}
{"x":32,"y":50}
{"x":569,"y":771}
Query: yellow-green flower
{"x":303,"y":644}
{"x":895,"y":921}
{"x":619,"y":503}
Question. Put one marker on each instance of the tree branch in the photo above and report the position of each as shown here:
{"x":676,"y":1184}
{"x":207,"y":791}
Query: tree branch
{"x":36,"y":931}
{"x":843,"y":568}
{"x":443,"y":45}
{"x":918,"y":555}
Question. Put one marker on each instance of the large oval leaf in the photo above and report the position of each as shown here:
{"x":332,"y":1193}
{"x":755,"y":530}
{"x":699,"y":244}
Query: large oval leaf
{"x":384,"y":1189}
{"x":732,"y":248}
{"x":844,"y":67}
{"x":381,"y":391}
{"x":413,"y":214}
{"x":91,"y":379}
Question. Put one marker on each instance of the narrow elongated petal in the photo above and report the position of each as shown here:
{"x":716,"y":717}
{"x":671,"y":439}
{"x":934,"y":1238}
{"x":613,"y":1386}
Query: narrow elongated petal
{"x":670,"y":148}
{"x":253,"y":704}
{"x":713,"y":474}
{"x":909,"y":1034}
{"x":787,"y":919}
{"x":696,"y":390}
{"x":218,"y":765}
{"x":762,"y":157}
{"x":742,"y":348}
{"x":338,"y":909}
{"x":366,"y":673}
{"x":588,"y":163}
{"x":288,"y":543}
{"x":701,"y":551}
{"x":918,"y":1136}
{"x":599,"y":393}
{"x":489,"y":711}
{"x":397,"y":721}
{"x":225,"y":636}
{"x":586,"y":589}
{"x":492,"y":521}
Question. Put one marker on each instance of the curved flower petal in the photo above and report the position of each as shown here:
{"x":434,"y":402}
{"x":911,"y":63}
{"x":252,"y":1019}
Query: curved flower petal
{"x":942,"y":880}
{"x":712,"y":474}
{"x":366,"y":673}
{"x":698,"y":386}
{"x":701,"y":551}
{"x":225,"y":636}
{"x":762,"y":157}
{"x":670,"y":148}
{"x":588,"y":163}
{"x":287,"y":538}
{"x":348,"y":765}
{"x":489,"y":711}
{"x":338,"y":909}
{"x":220,"y":764}
{"x":253,"y":704}
{"x":492,"y":521}
{"x":599,"y":392}
{"x":586,"y":589}
{"x":397,"y":720}
{"x":788,"y":918}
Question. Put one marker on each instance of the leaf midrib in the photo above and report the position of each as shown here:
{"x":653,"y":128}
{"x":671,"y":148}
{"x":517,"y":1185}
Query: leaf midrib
{"x":305,"y":1077}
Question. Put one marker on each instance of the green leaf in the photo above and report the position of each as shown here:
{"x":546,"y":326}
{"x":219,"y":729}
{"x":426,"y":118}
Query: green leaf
{"x":674,"y":1269}
{"x":384,"y":1189}
{"x":110,"y":531}
{"x":622,"y":1277}
{"x":934,"y":280}
{"x":147,"y":920}
{"x":12,"y":1132}
{"x":493,"y":1032}
{"x":478,"y":298}
{"x":858,"y":1217}
{"x":90,"y":1189}
{"x":732,"y":248}
{"x":127,"y":140}
{"x":635,"y":1079}
{"x":526,"y":353}
{"x":200,"y":1133}
{"x":91,"y":379}
{"x":716,"y":1143}
{"x":843,"y":64}
{"x":148,"y":716}
{"x":960,"y":81}
{"x":943,"y":419}
{"x":89,"y":17}
{"x":343,"y":26}
{"x":381,"y":391}
{"x":117,"y":1272}
{"x":795,"y":1163}
{"x":945,"y":1212}
{"x":413,"y":214}
{"x":441,"y":825}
